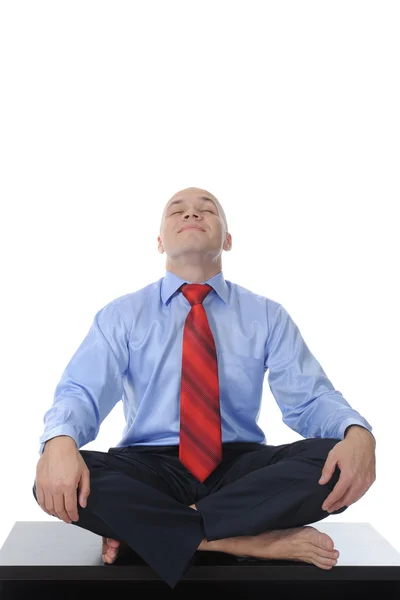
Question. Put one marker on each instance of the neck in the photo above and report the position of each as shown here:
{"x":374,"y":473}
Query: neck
{"x":195,"y":273}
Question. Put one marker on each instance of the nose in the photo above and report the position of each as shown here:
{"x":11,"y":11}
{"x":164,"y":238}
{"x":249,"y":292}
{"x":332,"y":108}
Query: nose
{"x":188,"y":218}
{"x":189,"y":212}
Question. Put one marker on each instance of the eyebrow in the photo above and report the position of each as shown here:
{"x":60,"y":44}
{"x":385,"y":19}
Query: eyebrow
{"x":204,"y":198}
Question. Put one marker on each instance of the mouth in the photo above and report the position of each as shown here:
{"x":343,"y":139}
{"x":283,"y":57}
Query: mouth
{"x":191,"y":227}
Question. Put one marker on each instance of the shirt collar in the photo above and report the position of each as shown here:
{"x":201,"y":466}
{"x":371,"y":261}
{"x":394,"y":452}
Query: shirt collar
{"x":171,"y":283}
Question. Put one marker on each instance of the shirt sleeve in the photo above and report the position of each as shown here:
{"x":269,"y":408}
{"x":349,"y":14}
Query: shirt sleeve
{"x":309,"y":403}
{"x":92,"y":383}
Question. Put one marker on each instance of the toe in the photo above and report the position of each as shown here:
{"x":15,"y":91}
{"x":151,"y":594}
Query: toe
{"x":328,"y":544}
{"x":113,"y":553}
{"x":110,"y":549}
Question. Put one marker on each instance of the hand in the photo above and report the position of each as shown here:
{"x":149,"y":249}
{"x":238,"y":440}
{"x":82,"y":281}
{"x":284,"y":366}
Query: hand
{"x":60,"y":472}
{"x":355,"y":456}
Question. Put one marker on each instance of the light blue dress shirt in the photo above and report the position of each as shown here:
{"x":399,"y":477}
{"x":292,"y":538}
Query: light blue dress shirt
{"x":133,"y":352}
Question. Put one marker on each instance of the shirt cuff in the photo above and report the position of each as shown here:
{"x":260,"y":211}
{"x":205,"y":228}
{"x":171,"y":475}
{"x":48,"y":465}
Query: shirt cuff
{"x":346,"y":425}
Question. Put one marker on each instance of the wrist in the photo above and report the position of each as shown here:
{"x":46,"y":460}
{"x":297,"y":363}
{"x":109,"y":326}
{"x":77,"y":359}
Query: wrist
{"x":58,"y":440}
{"x":356,"y":431}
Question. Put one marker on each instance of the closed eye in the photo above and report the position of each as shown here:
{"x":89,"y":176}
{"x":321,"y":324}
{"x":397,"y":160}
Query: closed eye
{"x":176,"y":213}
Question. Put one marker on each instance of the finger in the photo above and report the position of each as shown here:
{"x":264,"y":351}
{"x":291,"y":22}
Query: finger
{"x":337,"y":506}
{"x":327,"y":472}
{"x":40,"y":497}
{"x":338,"y":503}
{"x":338,"y":491}
{"x":84,"y":488}
{"x":60,"y":507}
{"x":330,"y":462}
{"x":48,"y":503}
{"x":71,"y":506}
{"x":346,"y":500}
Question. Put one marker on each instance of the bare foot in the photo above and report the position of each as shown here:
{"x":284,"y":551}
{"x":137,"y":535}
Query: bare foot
{"x":111,"y":549}
{"x":304,"y":544}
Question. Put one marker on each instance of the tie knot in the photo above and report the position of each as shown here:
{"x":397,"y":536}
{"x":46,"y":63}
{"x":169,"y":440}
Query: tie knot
{"x":195,"y":292}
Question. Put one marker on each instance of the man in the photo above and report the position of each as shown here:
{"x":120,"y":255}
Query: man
{"x":188,"y":355}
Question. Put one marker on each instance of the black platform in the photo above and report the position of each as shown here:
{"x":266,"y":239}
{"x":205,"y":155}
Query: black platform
{"x":43,"y":559}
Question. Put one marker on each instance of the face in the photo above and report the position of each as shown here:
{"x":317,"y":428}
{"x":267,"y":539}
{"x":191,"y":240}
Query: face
{"x":193,"y":226}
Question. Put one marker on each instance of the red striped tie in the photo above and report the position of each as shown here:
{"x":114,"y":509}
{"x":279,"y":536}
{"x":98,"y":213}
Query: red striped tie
{"x":200,"y":447}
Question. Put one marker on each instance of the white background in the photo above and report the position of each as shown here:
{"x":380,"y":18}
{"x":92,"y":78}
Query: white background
{"x":288,"y":112}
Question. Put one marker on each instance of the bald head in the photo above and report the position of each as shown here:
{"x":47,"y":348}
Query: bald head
{"x":192,"y":192}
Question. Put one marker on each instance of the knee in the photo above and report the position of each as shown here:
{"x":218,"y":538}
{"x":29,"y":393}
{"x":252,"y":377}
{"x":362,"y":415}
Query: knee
{"x":330,"y":443}
{"x":321,"y":447}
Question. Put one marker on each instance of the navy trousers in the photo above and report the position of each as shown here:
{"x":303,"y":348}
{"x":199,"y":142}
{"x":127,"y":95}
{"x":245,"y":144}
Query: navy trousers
{"x":141,"y":495}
